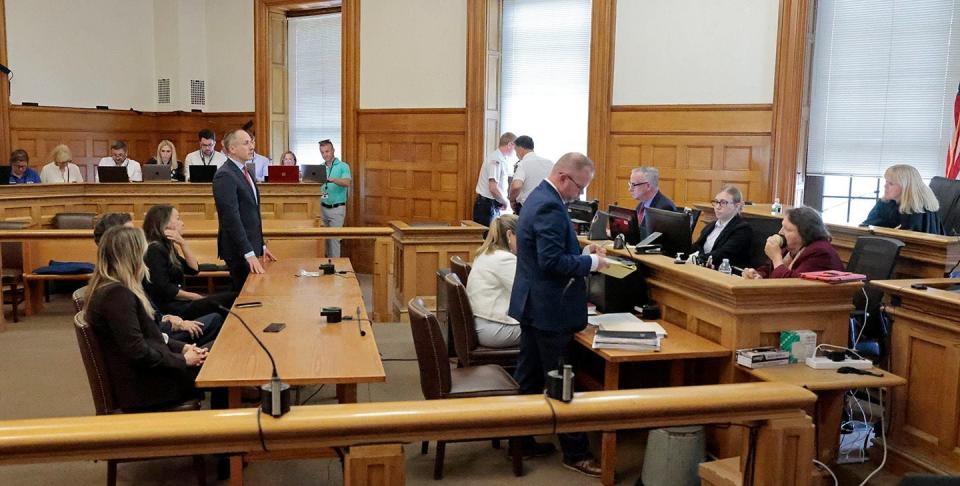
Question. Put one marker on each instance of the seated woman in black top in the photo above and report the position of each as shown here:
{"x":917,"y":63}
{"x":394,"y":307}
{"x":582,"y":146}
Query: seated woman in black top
{"x":167,"y":155}
{"x":164,"y":230}
{"x":146,"y":373}
{"x":907,"y":202}
{"x":729,"y":236}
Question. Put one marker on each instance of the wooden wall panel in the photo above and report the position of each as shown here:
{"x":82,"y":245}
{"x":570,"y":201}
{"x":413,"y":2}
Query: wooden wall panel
{"x":410,"y":166}
{"x":698,"y":149}
{"x":89,"y":133}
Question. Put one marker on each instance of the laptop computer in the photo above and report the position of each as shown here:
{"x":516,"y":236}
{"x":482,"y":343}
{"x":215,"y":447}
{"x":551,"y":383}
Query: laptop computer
{"x":156,"y":173}
{"x":315,"y":173}
{"x":112,"y":174}
{"x":202,"y":173}
{"x":283,"y":174}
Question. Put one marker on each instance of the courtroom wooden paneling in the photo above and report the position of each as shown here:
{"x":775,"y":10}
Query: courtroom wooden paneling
{"x":410,"y":166}
{"x":279,"y":109}
{"x":38,"y":203}
{"x":925,"y":349}
{"x":4,"y":87}
{"x":89,"y":133}
{"x":698,"y":149}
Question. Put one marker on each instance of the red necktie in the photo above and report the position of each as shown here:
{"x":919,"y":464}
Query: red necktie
{"x":640,"y":214}
{"x":246,"y":174}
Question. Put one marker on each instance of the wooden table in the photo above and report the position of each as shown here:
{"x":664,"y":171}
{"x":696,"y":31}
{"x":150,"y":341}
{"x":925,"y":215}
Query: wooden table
{"x":830,"y":388}
{"x":308,"y":351}
{"x":678,"y":346}
{"x":923,"y":256}
{"x":925,"y":348}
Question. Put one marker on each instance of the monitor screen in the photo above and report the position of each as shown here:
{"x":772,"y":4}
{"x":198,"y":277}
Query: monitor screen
{"x":674,"y":228}
{"x":582,"y":211}
{"x":620,"y":219}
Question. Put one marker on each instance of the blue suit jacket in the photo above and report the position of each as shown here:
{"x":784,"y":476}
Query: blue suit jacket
{"x":549,"y":290}
{"x":238,"y":212}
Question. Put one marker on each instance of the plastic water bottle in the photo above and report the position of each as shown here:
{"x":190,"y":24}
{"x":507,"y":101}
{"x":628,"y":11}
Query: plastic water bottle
{"x":776,"y":209}
{"x":725,"y":267}
{"x":709,"y":263}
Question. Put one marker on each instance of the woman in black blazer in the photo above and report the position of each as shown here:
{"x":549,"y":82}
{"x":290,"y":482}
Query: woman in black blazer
{"x":146,"y":371}
{"x":729,"y":236}
{"x":169,"y":258}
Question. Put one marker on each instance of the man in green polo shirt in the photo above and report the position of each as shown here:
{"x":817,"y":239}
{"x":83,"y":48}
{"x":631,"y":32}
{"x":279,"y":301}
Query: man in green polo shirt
{"x":333,"y":201}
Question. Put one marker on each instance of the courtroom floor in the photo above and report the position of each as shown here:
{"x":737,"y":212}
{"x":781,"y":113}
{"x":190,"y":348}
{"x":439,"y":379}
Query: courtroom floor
{"x":41,"y":375}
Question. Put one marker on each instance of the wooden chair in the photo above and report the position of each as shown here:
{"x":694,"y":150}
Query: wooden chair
{"x":439,"y":381}
{"x":103,"y":399}
{"x":464,"y":329}
{"x":460,"y":268}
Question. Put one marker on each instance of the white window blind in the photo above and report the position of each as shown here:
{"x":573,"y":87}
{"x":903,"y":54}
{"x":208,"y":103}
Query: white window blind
{"x":546,"y":73}
{"x":314,"y":84}
{"x":884,"y":78}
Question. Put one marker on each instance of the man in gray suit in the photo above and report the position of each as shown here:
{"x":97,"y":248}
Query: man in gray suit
{"x":240,"y":238}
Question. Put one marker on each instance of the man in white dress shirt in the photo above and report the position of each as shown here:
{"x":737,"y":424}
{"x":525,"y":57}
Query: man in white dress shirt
{"x":206,"y":155}
{"x":260,"y":162}
{"x":531,"y":171}
{"x":492,"y":184}
{"x":118,"y":158}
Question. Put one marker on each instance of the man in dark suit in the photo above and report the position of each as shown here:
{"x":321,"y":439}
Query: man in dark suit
{"x":240,"y":239}
{"x":645,"y":189}
{"x":549,"y":295}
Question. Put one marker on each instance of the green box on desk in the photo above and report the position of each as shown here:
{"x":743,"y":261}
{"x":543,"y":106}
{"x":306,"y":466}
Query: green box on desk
{"x":801,"y":344}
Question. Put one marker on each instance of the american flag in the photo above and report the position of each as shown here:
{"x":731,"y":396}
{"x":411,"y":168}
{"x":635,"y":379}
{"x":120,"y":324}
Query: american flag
{"x":953,"y":153}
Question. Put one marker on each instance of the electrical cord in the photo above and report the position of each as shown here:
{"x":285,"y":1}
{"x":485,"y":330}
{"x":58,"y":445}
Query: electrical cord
{"x":866,"y":316}
{"x":263,"y":442}
{"x":825,"y":468}
{"x":307,"y":400}
{"x":883,"y":429}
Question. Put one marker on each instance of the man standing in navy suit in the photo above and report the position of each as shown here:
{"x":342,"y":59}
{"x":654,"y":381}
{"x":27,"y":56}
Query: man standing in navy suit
{"x":240,"y":238}
{"x":549,"y":295}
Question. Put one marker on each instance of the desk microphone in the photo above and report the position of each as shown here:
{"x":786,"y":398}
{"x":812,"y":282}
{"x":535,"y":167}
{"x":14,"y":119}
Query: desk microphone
{"x":278,"y":393}
{"x":359,"y":327}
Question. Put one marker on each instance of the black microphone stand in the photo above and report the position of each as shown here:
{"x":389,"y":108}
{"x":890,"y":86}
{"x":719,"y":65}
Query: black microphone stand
{"x":277,"y":393}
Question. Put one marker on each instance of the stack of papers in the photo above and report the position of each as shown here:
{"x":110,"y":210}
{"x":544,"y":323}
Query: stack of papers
{"x":626,"y":331}
{"x":618,"y":267}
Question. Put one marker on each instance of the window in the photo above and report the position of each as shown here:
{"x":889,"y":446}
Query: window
{"x":546,"y":73}
{"x":314,"y":84}
{"x":883,"y":80}
{"x":849,"y":199}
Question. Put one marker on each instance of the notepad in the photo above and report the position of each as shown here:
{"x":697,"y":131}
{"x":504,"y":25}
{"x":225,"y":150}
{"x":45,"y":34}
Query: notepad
{"x":625,"y":322}
{"x":618,"y":268}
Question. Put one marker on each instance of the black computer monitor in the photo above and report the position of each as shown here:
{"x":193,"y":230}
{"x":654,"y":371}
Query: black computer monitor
{"x":674,"y":227}
{"x":620,"y":220}
{"x":582,"y":211}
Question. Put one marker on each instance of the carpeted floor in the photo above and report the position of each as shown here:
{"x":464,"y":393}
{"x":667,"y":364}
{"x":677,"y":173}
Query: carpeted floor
{"x":42,"y":376}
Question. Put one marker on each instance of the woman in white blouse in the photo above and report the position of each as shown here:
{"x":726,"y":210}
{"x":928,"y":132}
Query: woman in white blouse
{"x":490,"y":283}
{"x":61,"y":169}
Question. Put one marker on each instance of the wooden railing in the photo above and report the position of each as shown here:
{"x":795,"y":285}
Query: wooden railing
{"x":783,"y":451}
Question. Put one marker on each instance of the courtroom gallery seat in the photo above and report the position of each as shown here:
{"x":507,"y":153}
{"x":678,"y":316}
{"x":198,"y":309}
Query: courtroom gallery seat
{"x":460,"y":268}
{"x":102,"y":391}
{"x":79,"y":296}
{"x":439,"y":381}
{"x":464,"y":328}
{"x":73,"y":220}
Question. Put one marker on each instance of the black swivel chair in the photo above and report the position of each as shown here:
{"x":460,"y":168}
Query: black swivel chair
{"x":875,"y":257}
{"x":948,"y":195}
{"x":762,"y":227}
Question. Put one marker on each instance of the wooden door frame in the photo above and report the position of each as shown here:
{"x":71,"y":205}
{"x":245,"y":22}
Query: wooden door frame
{"x":4,"y":87}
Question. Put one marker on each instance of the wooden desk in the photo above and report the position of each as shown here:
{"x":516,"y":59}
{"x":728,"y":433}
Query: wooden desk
{"x":923,"y":256}
{"x":830,"y":387}
{"x":307,"y":351}
{"x":925,"y":348}
{"x":678,"y":346}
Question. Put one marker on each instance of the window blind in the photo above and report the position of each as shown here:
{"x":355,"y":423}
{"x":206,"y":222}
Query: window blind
{"x":545,"y":73}
{"x":314,"y":84}
{"x":883,"y":81}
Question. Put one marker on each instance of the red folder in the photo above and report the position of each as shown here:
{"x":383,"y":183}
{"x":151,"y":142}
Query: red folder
{"x":833,"y":276}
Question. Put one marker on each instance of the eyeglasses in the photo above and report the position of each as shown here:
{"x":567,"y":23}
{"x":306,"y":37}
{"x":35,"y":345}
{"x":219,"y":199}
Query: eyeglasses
{"x":574,"y":181}
{"x":721,"y":202}
{"x":631,"y":185}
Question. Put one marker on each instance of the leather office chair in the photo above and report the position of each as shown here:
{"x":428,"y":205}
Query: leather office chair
{"x":102,"y":391}
{"x":79,"y":296}
{"x":948,"y":195}
{"x":73,"y":220}
{"x":762,"y":229}
{"x":875,"y":257}
{"x":460,"y":268}
{"x":464,"y":328}
{"x":438,"y":380}
{"x":694,"y":217}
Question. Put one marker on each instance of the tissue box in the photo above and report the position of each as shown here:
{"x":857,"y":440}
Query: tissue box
{"x":800,"y":344}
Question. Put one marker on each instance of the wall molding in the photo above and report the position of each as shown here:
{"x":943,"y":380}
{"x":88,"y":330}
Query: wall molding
{"x":603,"y":38}
{"x":4,"y":87}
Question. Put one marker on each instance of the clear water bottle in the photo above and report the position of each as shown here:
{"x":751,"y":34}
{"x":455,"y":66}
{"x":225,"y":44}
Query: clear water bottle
{"x":709,"y":263}
{"x":725,"y":267}
{"x":776,"y":209}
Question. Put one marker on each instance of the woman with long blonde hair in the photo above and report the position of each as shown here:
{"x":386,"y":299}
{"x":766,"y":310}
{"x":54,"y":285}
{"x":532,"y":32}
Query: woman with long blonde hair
{"x":491,"y":282}
{"x":907,"y":202}
{"x":167,"y":155}
{"x":147,"y":370}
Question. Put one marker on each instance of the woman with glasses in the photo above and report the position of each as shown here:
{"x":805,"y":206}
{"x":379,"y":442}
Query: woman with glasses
{"x":907,"y":202}
{"x":61,"y":169}
{"x":729,"y":236}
